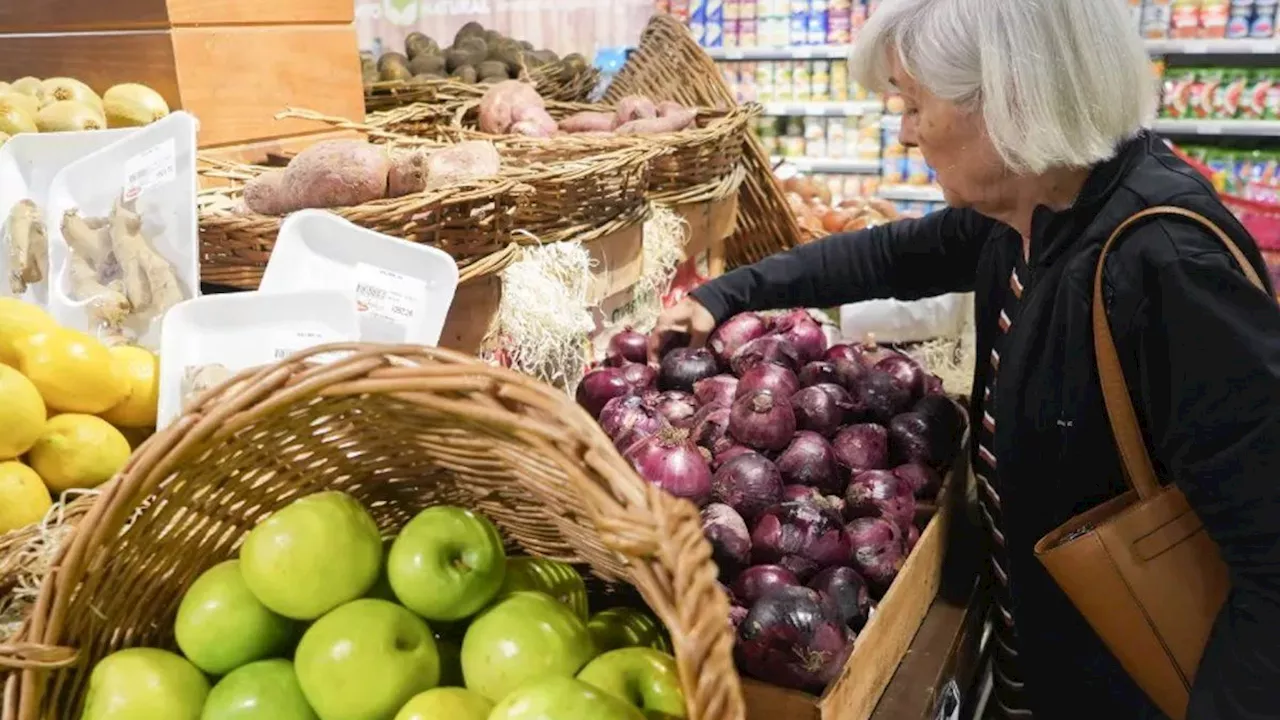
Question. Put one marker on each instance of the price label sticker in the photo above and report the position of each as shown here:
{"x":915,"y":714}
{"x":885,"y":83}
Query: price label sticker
{"x":291,"y":342}
{"x":155,"y":166}
{"x":388,"y":304}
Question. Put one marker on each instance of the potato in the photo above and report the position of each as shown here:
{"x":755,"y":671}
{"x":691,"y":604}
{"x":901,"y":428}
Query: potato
{"x":266,"y":194}
{"x":465,"y":73}
{"x":419,"y":44}
{"x":459,"y":57}
{"x":493,"y":69}
{"x":474,"y":160}
{"x":589,"y":121}
{"x":337,"y":173}
{"x":408,"y":174}
{"x":505,"y":104}
{"x":427,"y":64}
{"x":392,"y":58}
{"x":471,"y":29}
{"x":636,"y":107}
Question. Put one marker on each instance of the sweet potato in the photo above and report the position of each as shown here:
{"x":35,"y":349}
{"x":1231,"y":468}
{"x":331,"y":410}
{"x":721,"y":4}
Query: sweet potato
{"x":408,"y":174}
{"x":635,"y":107}
{"x":533,"y":122}
{"x":671,"y":123}
{"x":337,"y":173}
{"x":506,"y":103}
{"x":266,"y":195}
{"x":589,"y":121}
{"x":472,"y":160}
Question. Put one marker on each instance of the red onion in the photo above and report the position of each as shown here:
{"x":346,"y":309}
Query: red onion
{"x":869,"y":353}
{"x":803,"y":567}
{"x":757,"y":581}
{"x":768,"y":349}
{"x":816,"y":372}
{"x":802,"y":529}
{"x":734,"y":333}
{"x":627,"y":346}
{"x":933,"y":385}
{"x":683,"y":367}
{"x":848,"y":372}
{"x":716,"y":389}
{"x":840,"y":352}
{"x":627,"y":419}
{"x":946,"y":420}
{"x":878,"y":551}
{"x":805,"y":333}
{"x":923,"y":480}
{"x":800,"y":493}
{"x":774,"y":378}
{"x":737,"y":614}
{"x":906,"y":371}
{"x":880,"y":492}
{"x":600,"y":386}
{"x":913,"y":537}
{"x":818,"y":410}
{"x":810,"y":460}
{"x":727,"y":533}
{"x":669,"y":460}
{"x":862,"y":447}
{"x":710,"y":428}
{"x":676,"y":406}
{"x":730,"y":453}
{"x":639,"y":376}
{"x":749,"y":484}
{"x":842,"y":396}
{"x":879,"y":396}
{"x":762,"y":420}
{"x":791,"y":638}
{"x":847,"y":592}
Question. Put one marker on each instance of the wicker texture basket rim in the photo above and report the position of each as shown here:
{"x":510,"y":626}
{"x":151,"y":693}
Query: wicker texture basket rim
{"x":654,"y":539}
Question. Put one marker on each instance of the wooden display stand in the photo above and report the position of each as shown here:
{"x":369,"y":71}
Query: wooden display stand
{"x":710,"y":225}
{"x":233,"y":64}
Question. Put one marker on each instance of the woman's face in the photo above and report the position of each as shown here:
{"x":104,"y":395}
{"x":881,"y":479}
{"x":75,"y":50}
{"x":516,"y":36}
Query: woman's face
{"x":954,"y":142}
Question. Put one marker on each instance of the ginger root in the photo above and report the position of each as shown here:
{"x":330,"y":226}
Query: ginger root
{"x":201,"y":378}
{"x":28,"y":246}
{"x":150,"y":282}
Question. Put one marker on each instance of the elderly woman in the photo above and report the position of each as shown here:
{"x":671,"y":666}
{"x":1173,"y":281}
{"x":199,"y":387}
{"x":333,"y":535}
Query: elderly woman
{"x":1032,"y":112}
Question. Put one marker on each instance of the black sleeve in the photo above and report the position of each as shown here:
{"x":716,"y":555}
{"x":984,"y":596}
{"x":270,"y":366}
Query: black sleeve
{"x":907,"y":260}
{"x":1208,"y":351}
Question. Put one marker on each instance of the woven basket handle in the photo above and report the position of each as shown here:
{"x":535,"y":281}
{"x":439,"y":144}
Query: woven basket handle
{"x":1115,"y":391}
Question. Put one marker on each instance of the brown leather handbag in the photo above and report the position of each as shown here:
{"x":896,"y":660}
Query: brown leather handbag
{"x":1141,"y":568}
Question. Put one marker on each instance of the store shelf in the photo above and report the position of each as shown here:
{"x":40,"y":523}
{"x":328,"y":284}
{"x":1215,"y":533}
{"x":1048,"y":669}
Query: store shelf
{"x":798,"y":52}
{"x":1269,"y":46}
{"x":829,"y":109}
{"x":830,"y":165}
{"x":1266,"y":128}
{"x":911,"y":193}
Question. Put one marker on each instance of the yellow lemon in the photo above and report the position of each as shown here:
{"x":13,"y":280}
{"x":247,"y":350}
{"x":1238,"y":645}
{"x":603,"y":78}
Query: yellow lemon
{"x":72,"y":371}
{"x":19,"y":319}
{"x":142,"y":368}
{"x":23,"y":497}
{"x":78,"y":451}
{"x":22,"y":413}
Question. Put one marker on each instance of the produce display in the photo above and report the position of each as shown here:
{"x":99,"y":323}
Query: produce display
{"x":477,"y":55}
{"x":514,"y":107}
{"x":69,"y":406}
{"x":811,"y":202}
{"x":61,"y":104}
{"x":808,"y":462}
{"x":320,"y":618}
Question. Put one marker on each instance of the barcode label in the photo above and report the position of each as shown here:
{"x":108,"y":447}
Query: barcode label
{"x":154,"y":166}
{"x":387,"y":303}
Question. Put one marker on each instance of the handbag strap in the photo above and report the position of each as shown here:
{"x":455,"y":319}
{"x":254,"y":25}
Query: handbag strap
{"x":1115,"y":391}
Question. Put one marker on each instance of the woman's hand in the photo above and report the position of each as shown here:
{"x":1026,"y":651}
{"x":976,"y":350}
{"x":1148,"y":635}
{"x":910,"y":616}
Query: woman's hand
{"x":686,"y":319}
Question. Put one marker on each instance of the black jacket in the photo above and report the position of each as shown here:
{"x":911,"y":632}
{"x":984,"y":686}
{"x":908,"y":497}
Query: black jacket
{"x":1201,"y":351}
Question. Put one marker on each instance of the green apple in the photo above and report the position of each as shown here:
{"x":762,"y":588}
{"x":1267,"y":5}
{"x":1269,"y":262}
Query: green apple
{"x":446,"y":703}
{"x":555,"y":578}
{"x":627,"y":627}
{"x":312,"y":555}
{"x":523,"y":637}
{"x":562,"y":698}
{"x":145,"y":684}
{"x":365,"y":659}
{"x":263,"y":690}
{"x":221,"y":625}
{"x":450,"y":650}
{"x":447,"y":563}
{"x":642,"y":676}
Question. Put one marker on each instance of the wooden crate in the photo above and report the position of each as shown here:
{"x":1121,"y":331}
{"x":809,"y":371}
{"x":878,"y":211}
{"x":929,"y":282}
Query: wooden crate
{"x":884,"y":641}
{"x":45,"y":16}
{"x":711,"y":224}
{"x":234,"y":79}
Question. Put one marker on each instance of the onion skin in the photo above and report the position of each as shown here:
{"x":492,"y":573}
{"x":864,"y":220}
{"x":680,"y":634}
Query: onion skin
{"x":880,"y":492}
{"x":626,"y":420}
{"x":716,"y":389}
{"x":762,"y":421}
{"x":869,"y":353}
{"x":600,"y":386}
{"x":730,"y":453}
{"x":683,"y":367}
{"x":677,"y":406}
{"x":639,"y":376}
{"x":710,"y":428}
{"x":749,"y":484}
{"x":800,"y":529}
{"x":669,"y":460}
{"x":819,"y":411}
{"x":627,"y":346}
{"x":848,"y":373}
{"x":767,"y":376}
{"x":735,"y":332}
{"x":759,"y":580}
{"x":906,"y":371}
{"x":847,"y":591}
{"x":818,"y":372}
{"x":730,"y":541}
{"x":862,"y":447}
{"x":737,"y":614}
{"x":878,"y":551}
{"x":791,"y":638}
{"x":924,"y":482}
{"x":933,"y":385}
{"x":768,"y":349}
{"x":803,"y":332}
{"x":840,"y":352}
{"x":879,"y":396}
{"x":811,"y":461}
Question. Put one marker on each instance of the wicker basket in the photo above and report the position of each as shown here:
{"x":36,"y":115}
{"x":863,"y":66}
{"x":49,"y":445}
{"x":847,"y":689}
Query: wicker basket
{"x":546,"y":79}
{"x":669,"y":65}
{"x":469,"y":221}
{"x":401,"y":429}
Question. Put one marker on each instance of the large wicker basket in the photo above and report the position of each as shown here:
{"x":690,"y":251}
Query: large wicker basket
{"x":669,"y":65}
{"x":399,"y":428}
{"x":550,"y":84}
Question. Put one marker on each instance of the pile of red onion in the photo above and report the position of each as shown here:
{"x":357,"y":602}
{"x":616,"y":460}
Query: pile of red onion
{"x":807,"y":462}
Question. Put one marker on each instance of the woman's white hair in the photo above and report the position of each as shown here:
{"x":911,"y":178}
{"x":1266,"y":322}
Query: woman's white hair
{"x":1060,"y":83}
